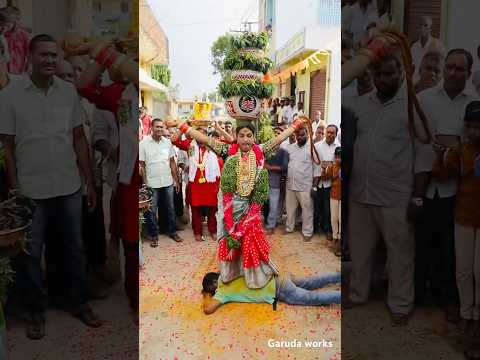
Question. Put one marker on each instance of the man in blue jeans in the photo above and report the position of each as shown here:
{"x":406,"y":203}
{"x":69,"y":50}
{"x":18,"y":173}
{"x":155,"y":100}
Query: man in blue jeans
{"x":277,"y":166}
{"x":287,"y":288}
{"x":45,"y":151}
{"x":159,"y":171}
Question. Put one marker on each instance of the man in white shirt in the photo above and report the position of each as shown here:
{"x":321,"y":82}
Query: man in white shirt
{"x":290,"y":111}
{"x":318,"y":121}
{"x":299,"y":184}
{"x":48,"y":145}
{"x":300,"y":110}
{"x":390,"y":172}
{"x":430,"y":72}
{"x":361,"y":14}
{"x":323,"y":184}
{"x":159,"y":170}
{"x":287,"y":111}
{"x":279,"y":114}
{"x":364,"y":85}
{"x":444,"y":106}
{"x":424,"y":42}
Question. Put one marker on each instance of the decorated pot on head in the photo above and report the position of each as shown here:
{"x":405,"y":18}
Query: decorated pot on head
{"x":245,"y":75}
{"x":243,"y":107}
{"x":243,"y":84}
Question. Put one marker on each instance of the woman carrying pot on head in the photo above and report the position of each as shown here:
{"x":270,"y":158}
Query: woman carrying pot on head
{"x":243,"y":248}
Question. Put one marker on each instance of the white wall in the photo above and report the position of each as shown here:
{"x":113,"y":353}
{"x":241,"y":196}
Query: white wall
{"x":463,"y":26}
{"x":290,"y":18}
{"x":293,"y":16}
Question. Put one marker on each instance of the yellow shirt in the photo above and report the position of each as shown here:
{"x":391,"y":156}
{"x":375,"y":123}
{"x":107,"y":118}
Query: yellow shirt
{"x":237,"y":291}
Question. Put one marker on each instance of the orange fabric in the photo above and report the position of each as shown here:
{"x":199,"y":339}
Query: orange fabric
{"x":461,"y":165}
{"x":333,"y":172}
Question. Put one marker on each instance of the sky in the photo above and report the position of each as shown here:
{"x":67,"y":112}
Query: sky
{"x":192,"y":26}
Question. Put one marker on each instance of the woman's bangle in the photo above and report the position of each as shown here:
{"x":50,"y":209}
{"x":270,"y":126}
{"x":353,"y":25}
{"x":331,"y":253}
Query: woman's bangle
{"x":184,"y":128}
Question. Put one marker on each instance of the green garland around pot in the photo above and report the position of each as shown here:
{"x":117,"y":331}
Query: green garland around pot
{"x":250,"y":40}
{"x":257,"y":88}
{"x":236,"y":60}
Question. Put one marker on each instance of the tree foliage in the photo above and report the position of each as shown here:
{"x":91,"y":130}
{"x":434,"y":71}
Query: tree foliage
{"x":162,"y":74}
{"x":219,"y":50}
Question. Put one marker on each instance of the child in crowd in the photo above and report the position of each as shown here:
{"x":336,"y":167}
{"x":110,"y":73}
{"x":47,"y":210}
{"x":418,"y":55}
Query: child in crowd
{"x":460,"y":163}
{"x":333,"y":172}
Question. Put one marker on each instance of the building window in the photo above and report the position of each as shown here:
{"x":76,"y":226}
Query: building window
{"x":301,"y":97}
{"x":293,"y":84}
{"x":329,"y":12}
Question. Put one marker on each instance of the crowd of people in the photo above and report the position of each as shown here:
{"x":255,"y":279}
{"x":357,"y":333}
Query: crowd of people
{"x":69,"y":137}
{"x":411,"y":185}
{"x":172,"y":164}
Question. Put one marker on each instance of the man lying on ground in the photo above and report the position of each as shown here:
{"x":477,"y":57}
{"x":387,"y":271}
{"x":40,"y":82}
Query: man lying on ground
{"x":287,"y":288}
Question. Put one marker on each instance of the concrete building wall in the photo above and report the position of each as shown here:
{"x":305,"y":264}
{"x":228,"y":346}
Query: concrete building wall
{"x":303,"y":84}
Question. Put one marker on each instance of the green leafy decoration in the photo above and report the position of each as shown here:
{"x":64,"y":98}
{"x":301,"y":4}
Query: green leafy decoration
{"x":266,"y":130}
{"x":162,"y":74}
{"x":260,"y":191}
{"x":228,"y":180}
{"x":229,"y":88}
{"x":250,"y":40}
{"x":236,"y":60}
{"x":232,"y":243}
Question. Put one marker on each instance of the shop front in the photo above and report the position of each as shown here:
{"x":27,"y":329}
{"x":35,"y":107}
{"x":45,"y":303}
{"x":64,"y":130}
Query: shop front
{"x":303,"y":69}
